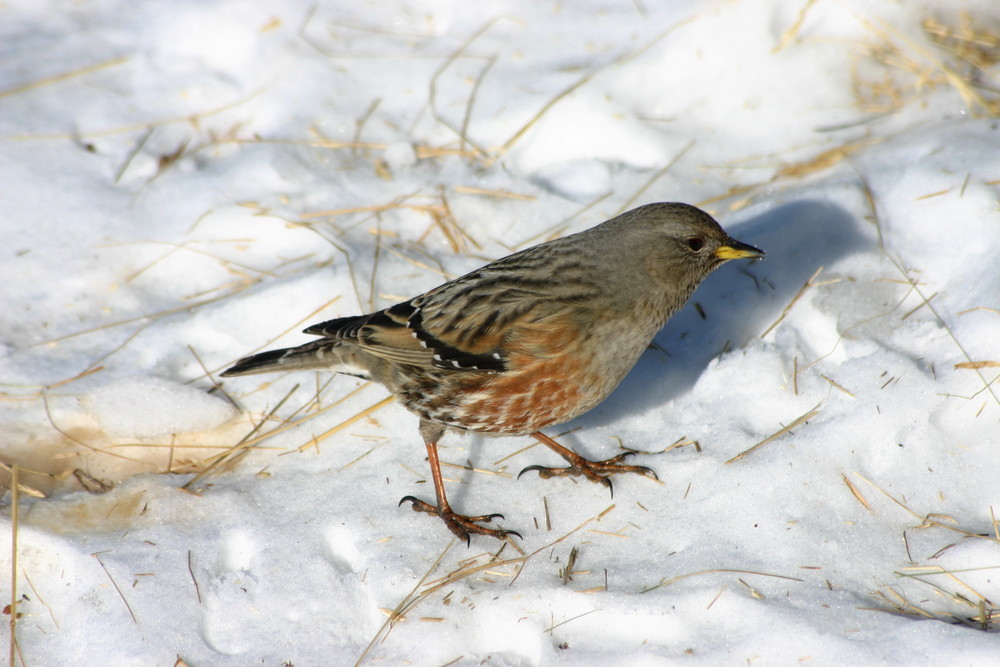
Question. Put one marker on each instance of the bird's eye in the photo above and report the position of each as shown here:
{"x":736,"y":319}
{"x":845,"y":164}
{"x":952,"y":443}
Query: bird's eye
{"x":695,"y":243}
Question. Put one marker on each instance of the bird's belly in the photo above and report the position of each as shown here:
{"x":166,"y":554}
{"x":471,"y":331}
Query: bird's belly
{"x":542,"y":393}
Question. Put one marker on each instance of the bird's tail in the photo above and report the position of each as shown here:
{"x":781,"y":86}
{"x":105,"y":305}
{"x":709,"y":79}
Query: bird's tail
{"x":326,"y":354}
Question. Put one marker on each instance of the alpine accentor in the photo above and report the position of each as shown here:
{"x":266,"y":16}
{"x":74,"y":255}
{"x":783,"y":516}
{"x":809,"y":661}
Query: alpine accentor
{"x":528,"y":341}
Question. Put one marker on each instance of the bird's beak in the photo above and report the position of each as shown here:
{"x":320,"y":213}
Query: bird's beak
{"x":733,"y":249}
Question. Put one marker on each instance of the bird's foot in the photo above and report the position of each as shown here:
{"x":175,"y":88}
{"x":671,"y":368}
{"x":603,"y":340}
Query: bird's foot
{"x":595,"y":471}
{"x":460,"y":524}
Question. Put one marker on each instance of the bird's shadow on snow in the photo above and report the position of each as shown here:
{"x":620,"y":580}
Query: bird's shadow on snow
{"x":739,"y":301}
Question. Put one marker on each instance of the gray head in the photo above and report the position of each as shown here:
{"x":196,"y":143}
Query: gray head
{"x":676,"y":244}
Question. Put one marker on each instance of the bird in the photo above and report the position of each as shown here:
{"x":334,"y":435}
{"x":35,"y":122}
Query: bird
{"x":526,"y":342}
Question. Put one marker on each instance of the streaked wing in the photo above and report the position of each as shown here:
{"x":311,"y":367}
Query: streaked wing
{"x":463,"y":324}
{"x":397,"y":334}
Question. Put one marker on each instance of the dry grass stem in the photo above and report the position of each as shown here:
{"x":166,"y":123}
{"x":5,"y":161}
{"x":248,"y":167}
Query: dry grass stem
{"x":376,"y":256}
{"x":82,"y":374}
{"x":959,"y":57}
{"x":682,"y":441}
{"x":927,"y":570}
{"x":470,"y":468}
{"x":556,"y":625}
{"x":14,"y":501}
{"x":192,"y":119}
{"x":734,"y":191}
{"x":148,"y":318}
{"x":824,"y":160}
{"x":915,"y":286}
{"x":375,"y":208}
{"x":314,"y":442}
{"x":65,"y":434}
{"x":792,"y":31}
{"x":837,"y":386}
{"x":65,"y":76}
{"x":290,"y":421}
{"x":609,"y":533}
{"x":216,"y":385}
{"x":194,"y":579}
{"x":857,"y":494}
{"x":192,"y":247}
{"x":777,"y":434}
{"x":925,"y":302}
{"x":717,"y":596}
{"x":984,"y":612}
{"x":513,"y":454}
{"x":754,"y":593}
{"x":558,"y":229}
{"x":934,"y":194}
{"x":355,"y":460}
{"x":359,"y":124}
{"x":432,"y":152}
{"x":424,"y":266}
{"x":930,"y":519}
{"x":467,"y":117}
{"x":607,"y":510}
{"x":407,"y":603}
{"x":621,"y":60}
{"x":655,"y":177}
{"x":798,"y":295}
{"x":135,"y":150}
{"x":974,"y":365}
{"x":566,"y":572}
{"x":454,"y":233}
{"x":40,"y":599}
{"x":21,"y":487}
{"x":500,"y":194}
{"x":325,"y":143}
{"x":450,"y":217}
{"x":673,"y":580}
{"x":432,"y":87}
{"x":235,"y":453}
{"x":470,"y":567}
{"x":899,"y":605}
{"x":115,"y":584}
{"x":466,"y":567}
{"x":98,"y":363}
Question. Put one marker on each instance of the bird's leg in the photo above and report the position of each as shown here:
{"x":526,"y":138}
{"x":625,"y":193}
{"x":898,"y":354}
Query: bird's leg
{"x":595,"y":471}
{"x":459,"y":524}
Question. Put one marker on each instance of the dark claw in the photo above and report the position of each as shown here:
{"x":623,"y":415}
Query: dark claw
{"x":459,"y":524}
{"x":542,"y":470}
{"x":499,"y":533}
{"x":595,"y":471}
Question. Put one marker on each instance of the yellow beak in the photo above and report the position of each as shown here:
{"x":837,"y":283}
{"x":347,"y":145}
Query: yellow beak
{"x":736,"y":250}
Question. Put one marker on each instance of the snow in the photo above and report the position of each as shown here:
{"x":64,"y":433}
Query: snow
{"x":186,"y":183}
{"x":150,"y":407}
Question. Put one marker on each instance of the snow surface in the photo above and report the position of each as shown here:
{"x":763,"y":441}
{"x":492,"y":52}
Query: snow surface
{"x":185,"y":183}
